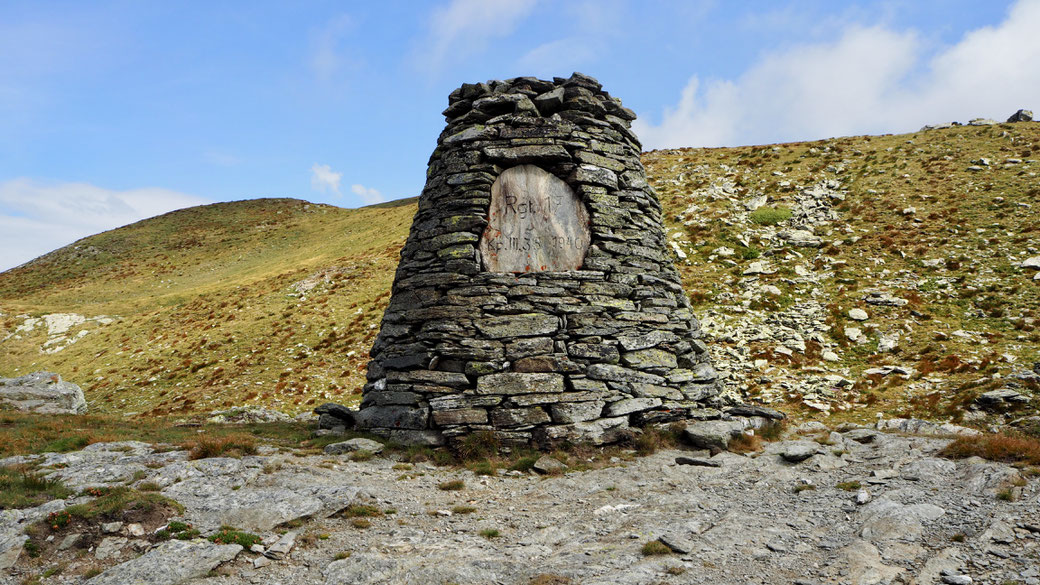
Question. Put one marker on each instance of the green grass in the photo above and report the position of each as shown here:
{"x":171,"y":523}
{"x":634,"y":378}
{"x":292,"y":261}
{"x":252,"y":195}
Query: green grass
{"x":770,"y":215}
{"x":21,"y":488}
{"x":232,"y":535}
{"x":178,"y":531}
{"x":119,"y":499}
{"x":361,"y":511}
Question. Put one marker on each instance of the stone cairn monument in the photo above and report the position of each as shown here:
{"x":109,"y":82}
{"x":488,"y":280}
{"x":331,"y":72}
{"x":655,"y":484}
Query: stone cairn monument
{"x":535,"y":297}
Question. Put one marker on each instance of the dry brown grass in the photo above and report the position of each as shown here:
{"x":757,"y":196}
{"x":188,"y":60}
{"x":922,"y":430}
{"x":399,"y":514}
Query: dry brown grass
{"x":227,"y":446}
{"x":996,"y":447}
{"x":746,"y":444}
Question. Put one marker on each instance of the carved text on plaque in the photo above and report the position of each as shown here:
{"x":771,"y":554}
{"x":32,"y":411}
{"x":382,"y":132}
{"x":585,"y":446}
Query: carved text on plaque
{"x":536,"y":223}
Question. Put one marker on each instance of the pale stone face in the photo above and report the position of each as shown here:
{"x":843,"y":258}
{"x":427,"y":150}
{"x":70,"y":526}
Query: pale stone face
{"x":536,"y":223}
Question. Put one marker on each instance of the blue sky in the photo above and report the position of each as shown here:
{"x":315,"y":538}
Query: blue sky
{"x":113,"y":111}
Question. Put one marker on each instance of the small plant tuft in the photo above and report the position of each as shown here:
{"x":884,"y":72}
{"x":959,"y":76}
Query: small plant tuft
{"x":231,"y":535}
{"x":655,"y":547}
{"x":451,"y":486}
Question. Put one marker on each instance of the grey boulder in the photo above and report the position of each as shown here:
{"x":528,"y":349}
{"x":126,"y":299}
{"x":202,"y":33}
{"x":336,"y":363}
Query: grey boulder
{"x":713,"y":434}
{"x":42,"y":393}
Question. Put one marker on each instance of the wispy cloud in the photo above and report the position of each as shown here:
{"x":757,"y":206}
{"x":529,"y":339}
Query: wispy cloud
{"x":367,"y":194}
{"x":222,"y":159}
{"x":38,"y":217}
{"x":325,"y":180}
{"x":463,"y":27}
{"x":559,"y":56}
{"x":327,"y":56}
{"x":871,"y":79}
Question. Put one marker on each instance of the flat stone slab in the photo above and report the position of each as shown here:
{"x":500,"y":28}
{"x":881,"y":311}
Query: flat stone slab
{"x":536,"y":223}
{"x":170,"y":563}
{"x":353,"y":445}
{"x":517,"y":383}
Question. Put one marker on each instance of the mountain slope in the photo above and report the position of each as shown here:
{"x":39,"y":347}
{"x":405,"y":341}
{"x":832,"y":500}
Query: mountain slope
{"x":276,"y":301}
{"x":203,"y":308}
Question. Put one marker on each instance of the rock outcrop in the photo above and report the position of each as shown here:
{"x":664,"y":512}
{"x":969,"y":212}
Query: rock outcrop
{"x":844,"y":505}
{"x":42,"y":393}
{"x":1021,"y":116}
{"x":535,"y":297}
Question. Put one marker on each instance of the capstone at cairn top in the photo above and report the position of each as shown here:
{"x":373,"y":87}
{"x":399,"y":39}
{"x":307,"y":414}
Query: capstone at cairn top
{"x":535,"y":297}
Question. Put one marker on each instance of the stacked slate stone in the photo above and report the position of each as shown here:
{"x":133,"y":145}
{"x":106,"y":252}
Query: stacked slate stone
{"x":536,"y":355}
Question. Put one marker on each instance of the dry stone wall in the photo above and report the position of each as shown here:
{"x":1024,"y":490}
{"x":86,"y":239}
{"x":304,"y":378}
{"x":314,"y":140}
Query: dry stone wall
{"x":535,"y":297}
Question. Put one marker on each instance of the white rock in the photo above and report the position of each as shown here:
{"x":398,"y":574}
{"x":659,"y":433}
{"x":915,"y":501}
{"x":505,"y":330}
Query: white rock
{"x":755,"y":202}
{"x":135,"y":529}
{"x":110,"y":547}
{"x":758,"y":268}
{"x":858,"y":314}
{"x":724,"y":251}
{"x":1033,"y":262}
{"x":830,"y":356}
{"x":854,"y":334}
{"x":888,"y":342}
{"x":801,"y":238}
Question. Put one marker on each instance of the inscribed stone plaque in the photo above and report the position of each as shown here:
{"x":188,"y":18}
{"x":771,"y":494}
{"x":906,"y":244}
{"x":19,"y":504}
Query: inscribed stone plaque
{"x":536,"y":223}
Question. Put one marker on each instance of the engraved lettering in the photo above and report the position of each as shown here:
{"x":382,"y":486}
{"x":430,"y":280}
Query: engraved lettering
{"x":535,"y":222}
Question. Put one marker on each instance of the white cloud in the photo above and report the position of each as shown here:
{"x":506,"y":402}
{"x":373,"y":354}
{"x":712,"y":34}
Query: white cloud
{"x":559,"y":56}
{"x":327,"y":58}
{"x":36,"y":217}
{"x":325,"y":180}
{"x":463,"y":27}
{"x":869,"y":80}
{"x":367,"y":194}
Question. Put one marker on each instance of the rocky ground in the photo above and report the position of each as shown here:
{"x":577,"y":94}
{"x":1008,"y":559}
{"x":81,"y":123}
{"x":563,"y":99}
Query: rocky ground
{"x":852,"y":505}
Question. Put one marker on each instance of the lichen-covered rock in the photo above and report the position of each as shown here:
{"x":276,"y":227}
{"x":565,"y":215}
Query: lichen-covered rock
{"x":534,"y":296}
{"x":42,"y":393}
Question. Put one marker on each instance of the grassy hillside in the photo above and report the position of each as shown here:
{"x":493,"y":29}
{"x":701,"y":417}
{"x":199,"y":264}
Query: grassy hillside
{"x":276,"y":301}
{"x":272,"y":300}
